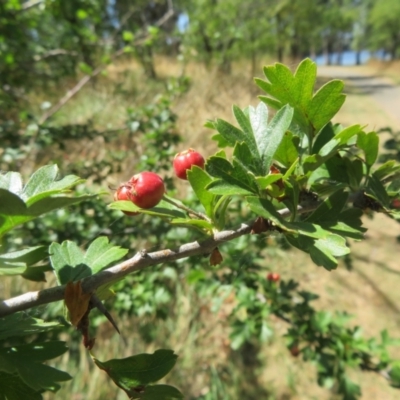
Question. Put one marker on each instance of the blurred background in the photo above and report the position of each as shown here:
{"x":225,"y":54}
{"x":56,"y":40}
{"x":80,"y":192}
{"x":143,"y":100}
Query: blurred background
{"x":107,"y":88}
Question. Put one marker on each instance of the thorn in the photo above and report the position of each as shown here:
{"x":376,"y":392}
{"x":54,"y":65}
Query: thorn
{"x":100,"y":306}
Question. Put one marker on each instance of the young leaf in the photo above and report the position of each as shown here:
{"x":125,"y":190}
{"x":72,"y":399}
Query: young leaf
{"x":139,"y":370}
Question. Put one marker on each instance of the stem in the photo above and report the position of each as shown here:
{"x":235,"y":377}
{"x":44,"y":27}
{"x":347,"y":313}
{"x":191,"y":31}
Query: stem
{"x":186,"y":209}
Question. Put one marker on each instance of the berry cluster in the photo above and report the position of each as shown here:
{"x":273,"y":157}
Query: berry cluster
{"x":146,"y":189}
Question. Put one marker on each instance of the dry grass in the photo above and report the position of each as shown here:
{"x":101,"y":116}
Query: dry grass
{"x":369,"y":291}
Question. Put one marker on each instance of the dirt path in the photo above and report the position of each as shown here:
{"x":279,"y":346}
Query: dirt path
{"x":365,"y":81}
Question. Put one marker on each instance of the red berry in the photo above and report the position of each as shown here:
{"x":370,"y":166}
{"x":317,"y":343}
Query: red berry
{"x":146,"y":189}
{"x":273,"y":277}
{"x":184,"y":160}
{"x":124,"y":193}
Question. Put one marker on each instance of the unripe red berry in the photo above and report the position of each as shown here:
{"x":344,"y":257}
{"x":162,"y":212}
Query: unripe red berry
{"x":184,"y":160}
{"x":273,"y":277}
{"x":147,"y":189}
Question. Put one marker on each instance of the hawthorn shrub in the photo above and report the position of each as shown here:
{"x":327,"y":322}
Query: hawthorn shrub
{"x":296,"y":175}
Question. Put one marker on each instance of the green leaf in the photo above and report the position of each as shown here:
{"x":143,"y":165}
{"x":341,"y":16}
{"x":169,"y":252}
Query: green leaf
{"x":230,"y":133}
{"x":243,"y":155}
{"x":376,"y":188}
{"x":16,"y":262}
{"x":26,"y":362}
{"x":326,"y":102}
{"x":220,"y":187}
{"x":71,"y":264}
{"x":68,"y":262}
{"x":12,"y":387}
{"x":330,"y":208}
{"x":311,"y":113}
{"x":199,"y":179}
{"x":287,"y":152}
{"x":247,"y":127}
{"x":233,"y":175}
{"x":100,"y":254}
{"x":266,"y":209}
{"x":339,"y":140}
{"x":387,"y":169}
{"x":162,"y":210}
{"x":159,"y":392}
{"x":269,"y":136}
{"x":14,"y":212}
{"x":19,"y":324}
{"x":12,"y":182}
{"x":142,"y":369}
{"x":369,"y":144}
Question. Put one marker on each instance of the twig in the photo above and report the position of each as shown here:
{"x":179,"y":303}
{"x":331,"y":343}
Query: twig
{"x":138,"y":262}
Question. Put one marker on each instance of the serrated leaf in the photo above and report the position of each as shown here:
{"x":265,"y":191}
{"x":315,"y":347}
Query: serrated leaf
{"x":199,"y":179}
{"x":233,"y":175}
{"x":19,"y":324}
{"x":269,"y":136}
{"x":16,"y":262}
{"x":243,"y":155}
{"x":12,"y":387}
{"x":26,"y":362}
{"x":247,"y":128}
{"x":229,"y":132}
{"x":100,"y":254}
{"x":14,"y":212}
{"x":265,"y":209}
{"x":329,"y":208}
{"x":68,"y":262}
{"x":139,"y":370}
{"x":311,"y":113}
{"x":222,"y":188}
{"x":326,"y":102}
